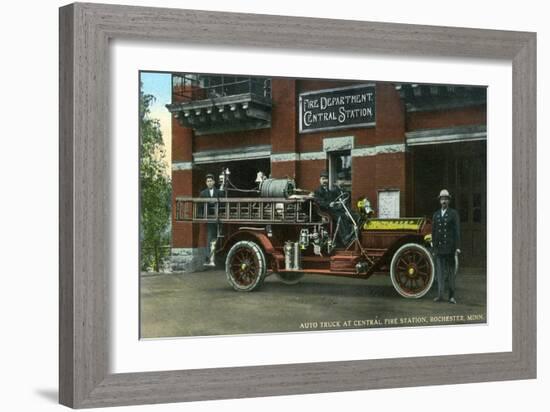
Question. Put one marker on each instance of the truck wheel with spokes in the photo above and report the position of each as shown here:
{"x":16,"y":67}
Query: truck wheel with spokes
{"x":245,"y":266}
{"x":412,"y":270}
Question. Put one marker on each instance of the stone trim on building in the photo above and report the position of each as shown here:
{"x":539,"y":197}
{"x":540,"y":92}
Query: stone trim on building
{"x":379,"y":149}
{"x":285,"y":157}
{"x":182,"y":166}
{"x":313,"y":156}
{"x":361,"y":151}
{"x":188,"y":259}
{"x":447,"y":135}
{"x":332,"y":144}
{"x":264,"y":151}
{"x":240,"y":153}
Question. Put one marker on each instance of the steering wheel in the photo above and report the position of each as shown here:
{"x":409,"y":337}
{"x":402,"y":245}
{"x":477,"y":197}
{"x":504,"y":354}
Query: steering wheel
{"x":342,"y":197}
{"x":340,"y":200}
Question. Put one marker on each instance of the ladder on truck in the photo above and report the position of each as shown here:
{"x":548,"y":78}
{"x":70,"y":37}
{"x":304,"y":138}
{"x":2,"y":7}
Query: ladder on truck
{"x":251,"y":210}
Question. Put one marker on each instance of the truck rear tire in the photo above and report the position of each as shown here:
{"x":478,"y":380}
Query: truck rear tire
{"x":245,"y":266}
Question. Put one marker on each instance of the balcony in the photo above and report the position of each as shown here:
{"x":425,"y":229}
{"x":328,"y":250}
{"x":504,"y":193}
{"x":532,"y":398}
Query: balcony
{"x":429,"y":97}
{"x":219,"y":104}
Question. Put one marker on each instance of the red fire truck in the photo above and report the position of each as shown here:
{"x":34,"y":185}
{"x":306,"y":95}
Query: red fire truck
{"x":283,"y":231}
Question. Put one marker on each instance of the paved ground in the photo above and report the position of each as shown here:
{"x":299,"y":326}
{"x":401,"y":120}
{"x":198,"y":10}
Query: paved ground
{"x":203,"y":303}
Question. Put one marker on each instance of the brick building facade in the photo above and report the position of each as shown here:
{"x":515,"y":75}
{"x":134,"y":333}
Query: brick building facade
{"x":423,"y":138}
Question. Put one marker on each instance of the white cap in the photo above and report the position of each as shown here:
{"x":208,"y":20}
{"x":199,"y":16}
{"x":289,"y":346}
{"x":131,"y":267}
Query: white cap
{"x":444,"y":193}
{"x":260,"y":177}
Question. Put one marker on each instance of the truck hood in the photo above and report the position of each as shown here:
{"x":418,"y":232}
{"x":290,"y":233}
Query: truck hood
{"x":409,"y":224}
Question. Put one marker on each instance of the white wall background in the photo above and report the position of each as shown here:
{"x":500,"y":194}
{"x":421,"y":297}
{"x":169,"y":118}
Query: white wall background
{"x":28,"y":205}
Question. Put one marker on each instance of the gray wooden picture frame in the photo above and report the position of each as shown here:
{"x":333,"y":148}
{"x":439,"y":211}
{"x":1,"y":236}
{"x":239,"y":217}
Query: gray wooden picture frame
{"x":85,"y":31}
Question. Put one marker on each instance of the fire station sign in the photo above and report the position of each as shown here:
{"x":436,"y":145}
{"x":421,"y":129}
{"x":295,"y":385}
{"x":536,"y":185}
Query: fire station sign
{"x":339,"y":108}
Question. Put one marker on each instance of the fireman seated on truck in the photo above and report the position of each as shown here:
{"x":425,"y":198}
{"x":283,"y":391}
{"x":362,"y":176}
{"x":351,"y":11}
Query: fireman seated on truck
{"x":328,"y":201}
{"x":322,"y":193}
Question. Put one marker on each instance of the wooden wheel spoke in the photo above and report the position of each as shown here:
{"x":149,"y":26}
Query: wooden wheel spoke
{"x":424,"y":275}
{"x":246,"y":275}
{"x":239,"y":253}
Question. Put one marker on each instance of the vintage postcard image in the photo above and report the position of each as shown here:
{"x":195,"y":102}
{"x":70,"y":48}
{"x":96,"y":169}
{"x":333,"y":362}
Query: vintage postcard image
{"x":276,"y":205}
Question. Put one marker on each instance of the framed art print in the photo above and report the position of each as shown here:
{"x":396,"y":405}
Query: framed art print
{"x":234,"y":184}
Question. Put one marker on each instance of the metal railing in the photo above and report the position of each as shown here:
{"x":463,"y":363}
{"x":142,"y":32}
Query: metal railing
{"x":244,"y":210}
{"x":191,"y":87}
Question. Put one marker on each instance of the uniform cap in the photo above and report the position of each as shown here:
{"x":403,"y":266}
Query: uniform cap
{"x":324,"y":173}
{"x":444,"y":193}
{"x":210,"y":176}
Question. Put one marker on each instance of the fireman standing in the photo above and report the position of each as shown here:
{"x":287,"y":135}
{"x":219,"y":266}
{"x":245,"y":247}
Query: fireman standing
{"x":212,"y":227}
{"x":446,"y":244}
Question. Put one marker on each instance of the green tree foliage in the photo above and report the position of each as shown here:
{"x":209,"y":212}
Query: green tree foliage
{"x":155,"y":190}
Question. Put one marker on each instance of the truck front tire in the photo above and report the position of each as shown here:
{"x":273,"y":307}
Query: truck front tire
{"x":412,"y":270}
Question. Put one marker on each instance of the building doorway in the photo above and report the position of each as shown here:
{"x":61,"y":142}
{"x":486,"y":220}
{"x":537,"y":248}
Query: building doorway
{"x":242,"y":174}
{"x":462,"y":169}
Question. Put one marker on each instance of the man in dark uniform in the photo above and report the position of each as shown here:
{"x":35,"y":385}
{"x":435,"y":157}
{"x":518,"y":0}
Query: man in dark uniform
{"x":326,"y":200}
{"x":346,"y":230}
{"x":322,"y":194}
{"x":446,"y":243}
{"x":212,"y":227}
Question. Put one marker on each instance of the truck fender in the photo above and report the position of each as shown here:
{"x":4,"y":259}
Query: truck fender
{"x":259,"y":237}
